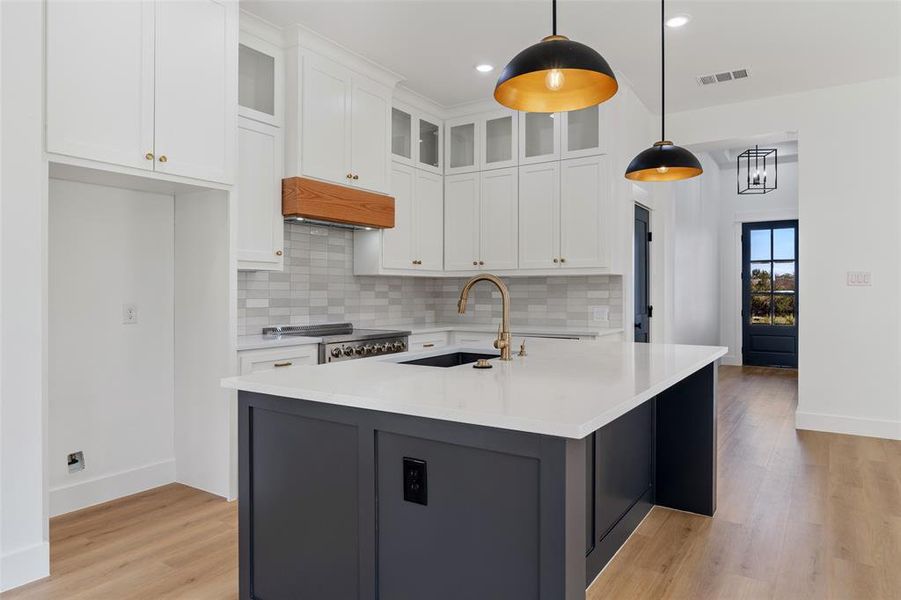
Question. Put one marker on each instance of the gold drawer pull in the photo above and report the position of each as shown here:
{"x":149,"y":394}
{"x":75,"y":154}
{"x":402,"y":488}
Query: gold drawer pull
{"x":149,"y":156}
{"x":429,"y":345}
{"x":164,"y":159}
{"x":286,"y":363}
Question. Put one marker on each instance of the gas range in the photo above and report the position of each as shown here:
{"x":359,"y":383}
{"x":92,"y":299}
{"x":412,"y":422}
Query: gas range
{"x":341,"y":341}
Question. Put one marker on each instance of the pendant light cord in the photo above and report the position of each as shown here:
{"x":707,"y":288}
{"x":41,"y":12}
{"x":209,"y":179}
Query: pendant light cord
{"x":662,"y":73}
{"x":554,"y":16}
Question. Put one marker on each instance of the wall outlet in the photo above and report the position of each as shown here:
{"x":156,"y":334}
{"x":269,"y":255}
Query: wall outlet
{"x":415,"y":481}
{"x":129,"y":314}
{"x":600,"y":313}
{"x":75,"y":461}
{"x":859,"y":278}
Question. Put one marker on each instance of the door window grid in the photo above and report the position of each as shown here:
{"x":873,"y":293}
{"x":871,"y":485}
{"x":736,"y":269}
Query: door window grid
{"x":772,"y":277}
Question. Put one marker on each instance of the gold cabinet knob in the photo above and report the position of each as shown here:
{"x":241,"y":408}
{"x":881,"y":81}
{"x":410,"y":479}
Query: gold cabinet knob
{"x":356,"y":177}
{"x":563,"y":260}
{"x":475,"y":263}
{"x":278,"y":252}
{"x":350,"y":175}
{"x":556,"y":261}
{"x":163,"y":158}
{"x":149,"y":156}
{"x":481,"y":263}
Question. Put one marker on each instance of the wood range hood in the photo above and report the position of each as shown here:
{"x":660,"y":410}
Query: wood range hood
{"x":329,"y":203}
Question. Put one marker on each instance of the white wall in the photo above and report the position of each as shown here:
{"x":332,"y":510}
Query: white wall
{"x":848,"y":192}
{"x":695,"y":263}
{"x":777,"y":205}
{"x":24,"y":550}
{"x":110,"y":385}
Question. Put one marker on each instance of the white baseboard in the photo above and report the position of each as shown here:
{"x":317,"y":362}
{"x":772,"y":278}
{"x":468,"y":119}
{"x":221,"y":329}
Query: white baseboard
{"x":24,"y":566}
{"x":879,"y":428}
{"x":731,"y":359}
{"x":89,"y":492}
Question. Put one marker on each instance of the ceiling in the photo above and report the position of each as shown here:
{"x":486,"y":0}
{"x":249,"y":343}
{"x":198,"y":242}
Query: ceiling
{"x":789,"y":46}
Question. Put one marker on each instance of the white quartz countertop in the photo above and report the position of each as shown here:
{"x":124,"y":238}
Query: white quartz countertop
{"x":560,"y":389}
{"x":257,"y":342}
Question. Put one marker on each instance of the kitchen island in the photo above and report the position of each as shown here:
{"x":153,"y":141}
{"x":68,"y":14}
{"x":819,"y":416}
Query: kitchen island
{"x":377,"y":479}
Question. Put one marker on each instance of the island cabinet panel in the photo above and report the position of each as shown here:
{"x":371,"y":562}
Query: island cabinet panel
{"x":478,"y":534}
{"x":303,"y":482}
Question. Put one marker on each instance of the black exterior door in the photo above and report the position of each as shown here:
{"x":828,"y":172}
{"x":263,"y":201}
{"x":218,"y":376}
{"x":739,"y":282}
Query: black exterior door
{"x":642,"y":273}
{"x":770,"y":294}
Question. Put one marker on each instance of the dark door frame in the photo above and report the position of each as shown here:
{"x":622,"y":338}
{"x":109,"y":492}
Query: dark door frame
{"x":768,"y":354}
{"x":641,"y":286}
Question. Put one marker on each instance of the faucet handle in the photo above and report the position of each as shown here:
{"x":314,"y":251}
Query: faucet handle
{"x":500,"y":343}
{"x":522,"y":348}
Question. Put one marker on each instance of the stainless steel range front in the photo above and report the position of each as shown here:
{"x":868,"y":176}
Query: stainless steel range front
{"x":340,"y":341}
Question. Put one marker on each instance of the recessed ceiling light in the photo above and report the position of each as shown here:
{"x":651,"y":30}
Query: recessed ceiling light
{"x":678,"y":21}
{"x":484,"y":68}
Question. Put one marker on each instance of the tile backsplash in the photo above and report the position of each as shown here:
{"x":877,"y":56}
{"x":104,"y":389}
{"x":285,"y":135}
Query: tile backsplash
{"x":318,"y":286}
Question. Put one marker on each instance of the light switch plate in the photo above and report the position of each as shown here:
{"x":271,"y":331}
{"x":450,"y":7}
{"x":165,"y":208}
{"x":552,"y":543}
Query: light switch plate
{"x":859,"y":278}
{"x":129,"y":314}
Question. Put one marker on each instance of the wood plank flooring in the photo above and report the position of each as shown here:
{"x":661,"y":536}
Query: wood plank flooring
{"x":800,"y":515}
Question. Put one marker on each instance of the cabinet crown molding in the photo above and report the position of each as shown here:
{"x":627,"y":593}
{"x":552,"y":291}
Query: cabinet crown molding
{"x":300,"y":37}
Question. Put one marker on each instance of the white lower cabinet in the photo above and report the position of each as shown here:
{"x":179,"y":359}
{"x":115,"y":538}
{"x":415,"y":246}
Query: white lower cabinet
{"x":565,"y":214}
{"x":261,"y":228}
{"x":462,"y":338}
{"x":428,"y":341}
{"x":480,"y":226}
{"x":254,"y":361}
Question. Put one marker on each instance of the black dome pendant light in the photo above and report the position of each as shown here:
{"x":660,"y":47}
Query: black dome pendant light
{"x":664,"y":161}
{"x":555,"y":75}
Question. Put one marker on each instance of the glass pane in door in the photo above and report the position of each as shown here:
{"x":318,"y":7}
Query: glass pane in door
{"x":582,"y":129}
{"x":539,"y":134}
{"x":428,"y":143}
{"x":256,"y":80}
{"x":462,"y":145}
{"x":784,"y":244}
{"x":499,"y":140}
{"x":760,"y":244}
{"x":760,"y":309}
{"x":401,"y":133}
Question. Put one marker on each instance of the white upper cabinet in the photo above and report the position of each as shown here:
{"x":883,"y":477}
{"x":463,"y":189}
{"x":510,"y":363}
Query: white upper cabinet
{"x":585,"y":132}
{"x":499,"y":200}
{"x":260,"y":225}
{"x":100,"y":102}
{"x":586,"y":211}
{"x":461,"y":222}
{"x":539,"y":216}
{"x":346,"y":126}
{"x":261,"y":85}
{"x":398,"y":243}
{"x":539,"y":135}
{"x":147,"y":85}
{"x":416,"y":138}
{"x":428,"y":211}
{"x":500,"y":133}
{"x":195,"y":92}
{"x":461,"y":145}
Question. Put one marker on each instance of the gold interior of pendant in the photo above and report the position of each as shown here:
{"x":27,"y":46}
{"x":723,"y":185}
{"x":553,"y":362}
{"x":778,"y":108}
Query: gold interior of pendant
{"x":671,"y":174}
{"x":581,"y":88}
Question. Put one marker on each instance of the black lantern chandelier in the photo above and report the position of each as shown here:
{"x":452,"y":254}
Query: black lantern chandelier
{"x":664,"y":161}
{"x":757,"y":170}
{"x":555,"y":75}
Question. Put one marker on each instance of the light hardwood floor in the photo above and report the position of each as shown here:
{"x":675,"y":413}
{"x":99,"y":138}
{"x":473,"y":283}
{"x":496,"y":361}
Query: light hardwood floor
{"x":800,"y":515}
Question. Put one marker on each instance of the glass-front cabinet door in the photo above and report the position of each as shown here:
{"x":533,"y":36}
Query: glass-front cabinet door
{"x":540,"y":135}
{"x":260,"y":80}
{"x":462,"y":146}
{"x":500,"y":133}
{"x":401,"y":135}
{"x":585,"y":132}
{"x":430,"y":141}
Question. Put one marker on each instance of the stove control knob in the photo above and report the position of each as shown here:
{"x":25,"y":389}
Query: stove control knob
{"x":348,"y":351}
{"x":384,"y":347}
{"x":399,"y":346}
{"x":368,"y":349}
{"x":336,"y":353}
{"x":358,"y":350}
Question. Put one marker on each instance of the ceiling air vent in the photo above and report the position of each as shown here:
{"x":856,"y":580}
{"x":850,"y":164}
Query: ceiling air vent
{"x":723,"y":77}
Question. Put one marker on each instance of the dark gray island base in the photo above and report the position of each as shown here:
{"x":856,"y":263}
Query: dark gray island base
{"x":506,"y":514}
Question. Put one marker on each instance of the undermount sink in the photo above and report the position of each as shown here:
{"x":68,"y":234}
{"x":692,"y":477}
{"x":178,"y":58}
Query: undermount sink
{"x":453,"y":359}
